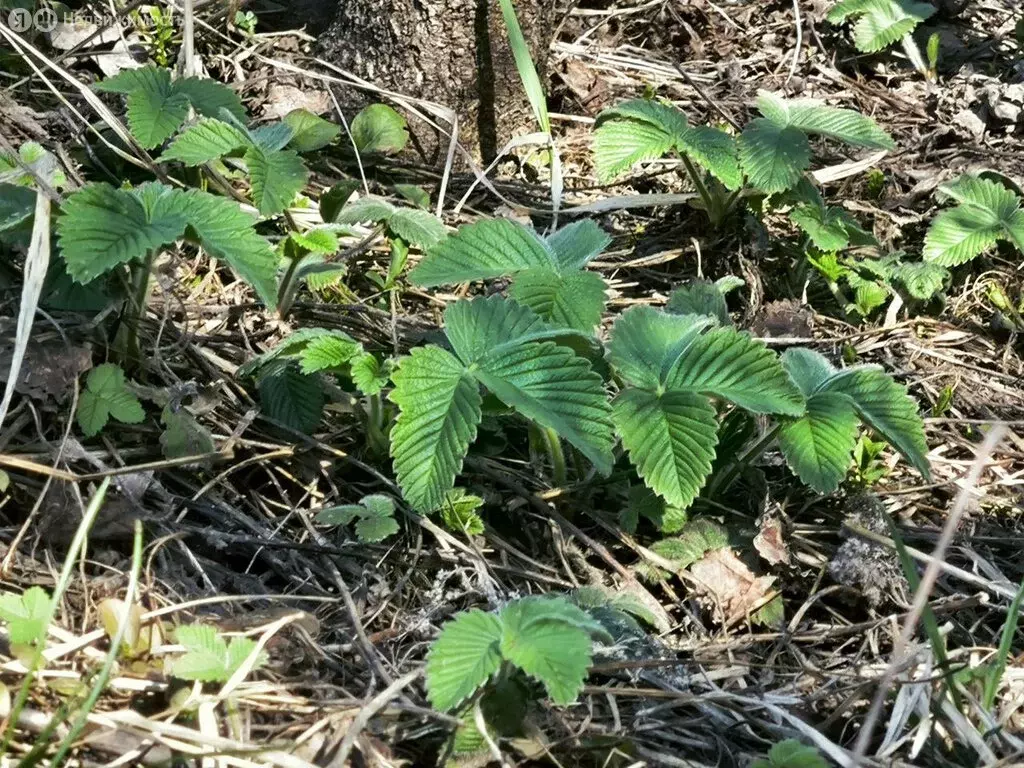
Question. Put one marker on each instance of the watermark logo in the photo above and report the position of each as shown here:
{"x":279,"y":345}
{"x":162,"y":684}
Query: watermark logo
{"x":45,"y":19}
{"x":20,"y":20}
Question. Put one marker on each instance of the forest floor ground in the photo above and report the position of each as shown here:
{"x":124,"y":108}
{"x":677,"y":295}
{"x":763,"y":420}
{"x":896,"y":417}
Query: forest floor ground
{"x":233,"y":542}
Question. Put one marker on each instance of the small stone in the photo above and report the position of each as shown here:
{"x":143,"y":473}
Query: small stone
{"x":970,"y":121}
{"x":1007,"y":112}
{"x":1014,"y":93}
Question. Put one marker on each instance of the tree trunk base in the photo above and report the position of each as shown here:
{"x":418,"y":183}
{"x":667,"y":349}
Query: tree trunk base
{"x":452,"y":52}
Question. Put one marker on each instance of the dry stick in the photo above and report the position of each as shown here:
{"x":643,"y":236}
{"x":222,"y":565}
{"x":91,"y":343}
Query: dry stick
{"x":375,"y":704}
{"x":711,"y":102}
{"x":931,"y":574}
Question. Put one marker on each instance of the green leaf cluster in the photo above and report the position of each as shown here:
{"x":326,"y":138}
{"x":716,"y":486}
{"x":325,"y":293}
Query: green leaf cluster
{"x":641,"y":130}
{"x":772,"y":153}
{"x":548,"y":638}
{"x":157,"y":107}
{"x":288,"y":375}
{"x":208,"y":657}
{"x":101,"y":227}
{"x":880,"y":23}
{"x":107,"y":396}
{"x":548,"y":274}
{"x":506,"y":348}
{"x":26,"y":615}
{"x":414,"y":226}
{"x":674,"y":369}
{"x":986,"y":213}
{"x":374,"y":517}
{"x":818,"y":445}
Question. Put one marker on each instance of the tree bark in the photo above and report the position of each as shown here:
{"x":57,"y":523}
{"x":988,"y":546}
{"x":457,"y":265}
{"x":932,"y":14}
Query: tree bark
{"x":453,"y":52}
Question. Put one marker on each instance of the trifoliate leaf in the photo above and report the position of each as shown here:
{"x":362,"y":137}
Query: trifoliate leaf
{"x":550,"y":385}
{"x":206,"y":654}
{"x":101,"y":227}
{"x":827,"y":227}
{"x":732,"y":365}
{"x":106,"y":395}
{"x":567,"y":299}
{"x":463,"y":658}
{"x":310,"y":132}
{"x":417,"y":227}
{"x":576,"y":245}
{"x":699,"y":297}
{"x":646,"y":343}
{"x":439,"y":410}
{"x":276,"y":177}
{"x":670,"y":438}
{"x":888,"y":409}
{"x":882,"y":22}
{"x":987,"y":212}
{"x":204,"y":142}
{"x":26,"y":615}
{"x":330,"y":350}
{"x":459,"y":512}
{"x":553,"y":651}
{"x":378,"y":129}
{"x":477,"y":327}
{"x":773,"y":157}
{"x":819,"y":444}
{"x":291,"y":397}
{"x":480,"y":251}
{"x":923,"y":280}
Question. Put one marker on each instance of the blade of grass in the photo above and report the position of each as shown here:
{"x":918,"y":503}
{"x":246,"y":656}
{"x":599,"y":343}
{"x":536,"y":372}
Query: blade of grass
{"x":100,"y":684}
{"x":931,"y":624}
{"x":998,"y":665}
{"x":524,"y":65}
{"x":70,"y":561}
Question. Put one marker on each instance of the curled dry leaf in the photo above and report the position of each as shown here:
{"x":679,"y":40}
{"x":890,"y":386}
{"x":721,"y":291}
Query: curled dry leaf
{"x":729,"y":586}
{"x":769,"y":542}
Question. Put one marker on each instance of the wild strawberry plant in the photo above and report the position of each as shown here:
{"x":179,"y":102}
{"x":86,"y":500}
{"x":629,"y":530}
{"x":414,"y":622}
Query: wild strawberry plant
{"x":486,"y":655}
{"x":880,"y":23}
{"x":507,"y":349}
{"x":987,"y":212}
{"x":771,"y":155}
{"x":548,"y":274}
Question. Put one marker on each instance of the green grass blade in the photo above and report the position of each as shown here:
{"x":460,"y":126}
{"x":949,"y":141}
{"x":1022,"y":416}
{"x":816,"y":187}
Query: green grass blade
{"x":998,"y":664}
{"x":63,"y":580}
{"x":524,"y":64}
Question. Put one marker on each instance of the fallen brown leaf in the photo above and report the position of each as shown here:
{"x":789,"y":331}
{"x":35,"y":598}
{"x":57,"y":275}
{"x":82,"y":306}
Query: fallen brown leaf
{"x":729,"y":585}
